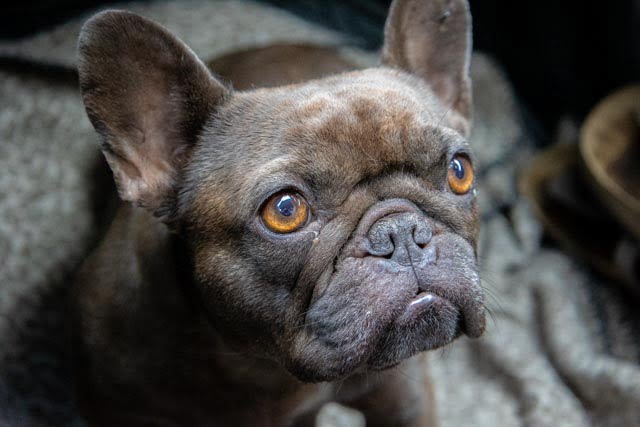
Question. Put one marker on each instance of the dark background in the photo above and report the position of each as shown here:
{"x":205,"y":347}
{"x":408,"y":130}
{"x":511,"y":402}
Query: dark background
{"x":562,"y":56}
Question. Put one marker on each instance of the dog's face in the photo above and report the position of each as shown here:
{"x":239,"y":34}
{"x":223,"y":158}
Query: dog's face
{"x":331,"y":225}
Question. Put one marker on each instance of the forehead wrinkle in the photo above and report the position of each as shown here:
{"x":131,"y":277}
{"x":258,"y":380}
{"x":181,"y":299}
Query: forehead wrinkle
{"x":383,"y":127}
{"x":448,"y":137}
{"x":429,"y":148}
{"x":266,"y":177}
{"x":271,"y":167}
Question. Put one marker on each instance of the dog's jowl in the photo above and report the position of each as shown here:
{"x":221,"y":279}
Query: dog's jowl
{"x":280,"y":248}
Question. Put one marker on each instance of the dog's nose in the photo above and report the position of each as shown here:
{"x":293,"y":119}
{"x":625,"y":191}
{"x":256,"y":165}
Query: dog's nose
{"x":401,"y":237}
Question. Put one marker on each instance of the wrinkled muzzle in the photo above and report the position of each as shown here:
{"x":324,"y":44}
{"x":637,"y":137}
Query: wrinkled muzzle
{"x":402,"y":284}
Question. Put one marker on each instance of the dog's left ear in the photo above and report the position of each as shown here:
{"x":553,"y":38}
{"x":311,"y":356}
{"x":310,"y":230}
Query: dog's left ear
{"x":432,"y":40}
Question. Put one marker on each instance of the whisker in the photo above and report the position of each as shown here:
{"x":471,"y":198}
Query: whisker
{"x":447,"y":111}
{"x":407,"y":376}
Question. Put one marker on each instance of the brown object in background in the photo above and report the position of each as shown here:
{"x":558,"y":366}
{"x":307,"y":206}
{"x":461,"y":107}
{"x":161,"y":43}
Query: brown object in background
{"x":587,"y":195}
{"x":610,"y":148}
{"x":555,"y":186}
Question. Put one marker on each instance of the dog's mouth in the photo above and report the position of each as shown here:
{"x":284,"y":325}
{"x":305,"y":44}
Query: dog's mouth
{"x":471,"y":320}
{"x":429,"y":321}
{"x":421,"y":302}
{"x":423,"y":299}
{"x":374,"y":313}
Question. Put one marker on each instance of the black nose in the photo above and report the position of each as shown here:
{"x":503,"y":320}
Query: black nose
{"x":401,"y":237}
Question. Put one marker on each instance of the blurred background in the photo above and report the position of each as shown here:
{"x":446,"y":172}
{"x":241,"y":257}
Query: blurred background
{"x":562,"y":56}
{"x":557,"y":142}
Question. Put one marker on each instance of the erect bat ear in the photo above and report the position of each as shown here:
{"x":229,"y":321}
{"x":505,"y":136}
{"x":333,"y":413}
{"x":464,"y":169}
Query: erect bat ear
{"x":148,"y":96}
{"x":432,"y":40}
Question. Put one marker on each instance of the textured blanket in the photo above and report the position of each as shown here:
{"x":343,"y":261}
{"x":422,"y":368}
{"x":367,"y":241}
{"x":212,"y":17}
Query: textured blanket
{"x":561,"y":348}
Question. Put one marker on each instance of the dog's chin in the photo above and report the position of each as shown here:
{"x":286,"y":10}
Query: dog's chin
{"x":424,"y":322}
{"x":429,"y":322}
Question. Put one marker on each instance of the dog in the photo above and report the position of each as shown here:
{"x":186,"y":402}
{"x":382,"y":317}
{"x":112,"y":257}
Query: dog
{"x":280,"y":247}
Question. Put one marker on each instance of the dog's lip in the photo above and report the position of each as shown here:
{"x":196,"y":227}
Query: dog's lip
{"x":423,"y":299}
{"x":423,"y":302}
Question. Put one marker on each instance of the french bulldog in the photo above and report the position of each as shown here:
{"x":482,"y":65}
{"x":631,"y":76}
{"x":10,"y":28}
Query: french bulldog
{"x":281,"y":247}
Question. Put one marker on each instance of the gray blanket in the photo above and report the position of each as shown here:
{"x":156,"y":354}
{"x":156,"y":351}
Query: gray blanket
{"x":561,"y":348}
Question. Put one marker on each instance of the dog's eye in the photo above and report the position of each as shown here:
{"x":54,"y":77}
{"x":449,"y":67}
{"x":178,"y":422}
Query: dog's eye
{"x":285,"y":212}
{"x":460,"y":174}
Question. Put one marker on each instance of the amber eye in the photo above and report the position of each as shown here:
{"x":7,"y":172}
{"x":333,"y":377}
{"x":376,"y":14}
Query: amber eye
{"x":285,"y":212}
{"x":460,"y":174}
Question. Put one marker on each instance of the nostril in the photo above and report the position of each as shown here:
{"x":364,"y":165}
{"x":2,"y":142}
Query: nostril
{"x":380,"y":241}
{"x":380,"y":252}
{"x":422,"y":234}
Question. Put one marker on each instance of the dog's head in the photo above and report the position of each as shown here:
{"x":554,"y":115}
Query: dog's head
{"x":331,"y":225}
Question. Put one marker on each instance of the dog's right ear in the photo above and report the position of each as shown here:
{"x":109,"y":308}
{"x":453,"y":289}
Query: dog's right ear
{"x":148,"y":96}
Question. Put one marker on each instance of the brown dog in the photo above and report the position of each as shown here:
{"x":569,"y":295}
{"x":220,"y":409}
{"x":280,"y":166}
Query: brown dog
{"x":284,"y":247}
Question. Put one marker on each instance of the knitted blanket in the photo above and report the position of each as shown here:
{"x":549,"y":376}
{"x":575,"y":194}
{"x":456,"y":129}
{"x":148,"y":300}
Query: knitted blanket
{"x":561,"y":347}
